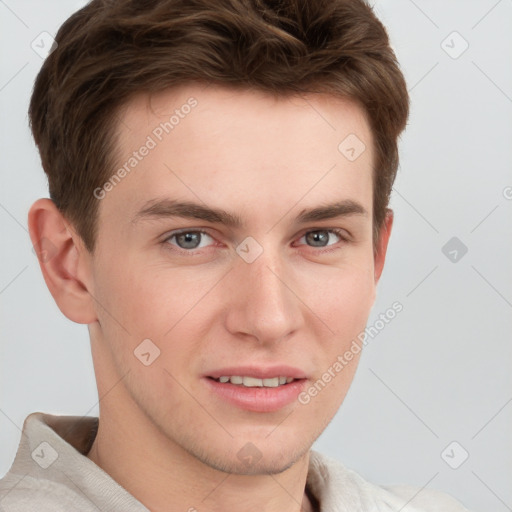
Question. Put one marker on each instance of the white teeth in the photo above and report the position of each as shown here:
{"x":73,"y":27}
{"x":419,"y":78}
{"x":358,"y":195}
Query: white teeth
{"x":253,"y":382}
{"x":271,"y":383}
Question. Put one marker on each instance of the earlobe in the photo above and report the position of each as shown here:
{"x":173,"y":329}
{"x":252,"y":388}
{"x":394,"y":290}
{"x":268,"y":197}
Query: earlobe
{"x":61,"y":258}
{"x":382,"y":244}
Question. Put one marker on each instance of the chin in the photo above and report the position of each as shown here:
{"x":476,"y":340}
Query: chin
{"x":251,"y":461}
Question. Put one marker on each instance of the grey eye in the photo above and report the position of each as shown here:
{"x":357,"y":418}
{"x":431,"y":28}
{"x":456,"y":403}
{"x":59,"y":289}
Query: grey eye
{"x":190,"y":239}
{"x":319,"y":238}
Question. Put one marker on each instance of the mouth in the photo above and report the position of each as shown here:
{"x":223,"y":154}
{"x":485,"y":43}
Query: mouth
{"x":254,"y":382}
{"x":257,"y":390}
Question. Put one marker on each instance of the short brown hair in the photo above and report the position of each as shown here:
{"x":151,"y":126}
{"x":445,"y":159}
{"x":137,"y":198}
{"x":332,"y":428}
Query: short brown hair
{"x":113,"y":49}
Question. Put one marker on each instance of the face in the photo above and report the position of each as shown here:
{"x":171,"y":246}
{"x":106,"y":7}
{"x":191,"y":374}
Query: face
{"x":217,"y":258}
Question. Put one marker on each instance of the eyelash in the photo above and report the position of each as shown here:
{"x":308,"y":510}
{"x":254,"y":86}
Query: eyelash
{"x":322,"y":250}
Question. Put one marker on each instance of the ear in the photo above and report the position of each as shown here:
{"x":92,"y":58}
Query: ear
{"x":62,"y":258}
{"x":382,"y":244}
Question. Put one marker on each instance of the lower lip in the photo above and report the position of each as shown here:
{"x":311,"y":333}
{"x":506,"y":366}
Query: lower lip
{"x":257,"y":399}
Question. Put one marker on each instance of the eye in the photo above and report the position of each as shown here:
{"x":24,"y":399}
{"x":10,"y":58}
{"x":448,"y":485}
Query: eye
{"x":189,"y":239}
{"x":320,"y":237}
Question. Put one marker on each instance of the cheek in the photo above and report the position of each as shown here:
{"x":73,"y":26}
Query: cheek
{"x":133,"y":303}
{"x":148,"y":299}
{"x":342,"y":298}
{"x":173,"y":309}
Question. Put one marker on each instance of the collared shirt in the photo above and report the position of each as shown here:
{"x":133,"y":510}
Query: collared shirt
{"x":51,"y":473}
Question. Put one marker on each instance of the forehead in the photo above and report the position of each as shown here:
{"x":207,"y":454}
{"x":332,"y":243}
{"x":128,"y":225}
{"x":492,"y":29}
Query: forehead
{"x":246,"y":148}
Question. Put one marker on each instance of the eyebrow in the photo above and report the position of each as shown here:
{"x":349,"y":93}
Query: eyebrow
{"x":164,"y":208}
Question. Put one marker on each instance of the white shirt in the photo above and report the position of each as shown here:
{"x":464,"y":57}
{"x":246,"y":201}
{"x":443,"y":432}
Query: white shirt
{"x":51,"y":473}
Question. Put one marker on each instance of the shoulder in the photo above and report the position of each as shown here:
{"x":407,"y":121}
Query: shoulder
{"x":20,"y":493}
{"x":340,"y":488}
{"x":425,"y":499}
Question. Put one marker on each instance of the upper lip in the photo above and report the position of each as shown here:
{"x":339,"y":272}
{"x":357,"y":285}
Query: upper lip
{"x":258,"y":372}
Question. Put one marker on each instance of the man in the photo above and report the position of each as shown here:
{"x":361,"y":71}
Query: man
{"x":219,"y":175}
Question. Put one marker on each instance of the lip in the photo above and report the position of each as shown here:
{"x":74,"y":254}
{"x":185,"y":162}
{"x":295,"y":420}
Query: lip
{"x":257,"y":399}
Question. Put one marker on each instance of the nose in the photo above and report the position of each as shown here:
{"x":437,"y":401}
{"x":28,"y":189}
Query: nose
{"x":262,"y":303}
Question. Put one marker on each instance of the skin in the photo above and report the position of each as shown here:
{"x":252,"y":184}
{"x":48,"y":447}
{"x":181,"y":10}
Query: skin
{"x":163,"y":435}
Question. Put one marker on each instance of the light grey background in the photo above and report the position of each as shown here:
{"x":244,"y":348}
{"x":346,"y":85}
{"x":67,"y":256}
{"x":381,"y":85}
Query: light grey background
{"x":440,"y":371}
